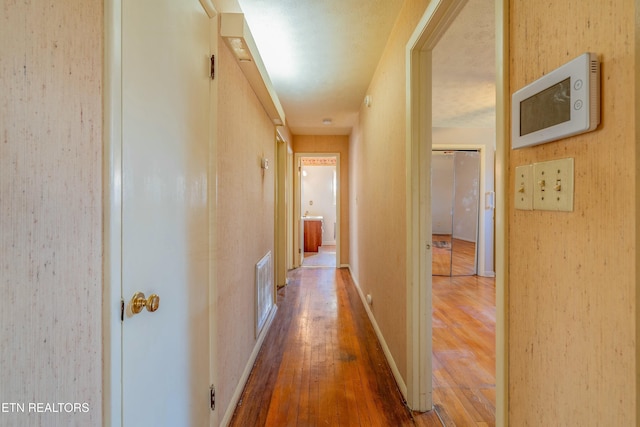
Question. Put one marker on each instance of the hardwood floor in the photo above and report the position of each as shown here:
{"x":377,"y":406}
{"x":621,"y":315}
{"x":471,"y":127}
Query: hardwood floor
{"x":321,"y":363}
{"x":464,"y":319}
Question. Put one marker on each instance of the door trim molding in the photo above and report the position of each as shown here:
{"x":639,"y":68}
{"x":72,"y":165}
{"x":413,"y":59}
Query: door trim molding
{"x":212,"y":190}
{"x":503,"y":107}
{"x":297,"y":200}
{"x":434,"y":22}
{"x":112,"y":208}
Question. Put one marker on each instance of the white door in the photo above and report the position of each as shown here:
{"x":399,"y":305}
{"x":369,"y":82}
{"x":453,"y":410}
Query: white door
{"x":165,"y":233}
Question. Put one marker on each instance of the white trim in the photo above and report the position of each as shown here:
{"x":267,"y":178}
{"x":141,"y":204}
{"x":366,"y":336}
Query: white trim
{"x":213,"y":198}
{"x":503,"y":100}
{"x":112,"y":208}
{"x":432,"y":25}
{"x":209,"y":8}
{"x":434,"y":22}
{"x":237,"y":394}
{"x":385,"y":348}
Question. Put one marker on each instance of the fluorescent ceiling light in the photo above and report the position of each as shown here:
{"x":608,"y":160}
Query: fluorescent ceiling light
{"x":235,"y":32}
{"x":239,"y":48}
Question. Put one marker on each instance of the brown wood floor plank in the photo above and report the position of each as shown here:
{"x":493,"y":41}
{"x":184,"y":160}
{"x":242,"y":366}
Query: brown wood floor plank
{"x":321,"y":362}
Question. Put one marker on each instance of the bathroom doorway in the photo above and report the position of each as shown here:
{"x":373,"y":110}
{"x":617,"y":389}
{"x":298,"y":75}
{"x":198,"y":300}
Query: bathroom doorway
{"x":319,"y":209}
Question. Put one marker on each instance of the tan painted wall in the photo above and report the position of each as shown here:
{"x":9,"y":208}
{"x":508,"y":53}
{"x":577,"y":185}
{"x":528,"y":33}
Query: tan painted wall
{"x":378,"y":197}
{"x":572,"y":280}
{"x":245,"y":218}
{"x":332,"y":144}
{"x":51,"y":209}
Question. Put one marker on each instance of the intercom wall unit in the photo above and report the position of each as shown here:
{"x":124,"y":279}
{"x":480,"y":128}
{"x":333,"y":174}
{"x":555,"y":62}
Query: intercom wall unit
{"x":563,"y":103}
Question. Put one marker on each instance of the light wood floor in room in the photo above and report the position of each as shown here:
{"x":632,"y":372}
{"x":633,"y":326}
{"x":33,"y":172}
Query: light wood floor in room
{"x":321,"y":363}
{"x":464,"y":351}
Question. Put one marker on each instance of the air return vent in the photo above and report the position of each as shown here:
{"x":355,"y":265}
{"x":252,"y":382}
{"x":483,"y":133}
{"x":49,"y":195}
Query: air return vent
{"x":264,"y":291}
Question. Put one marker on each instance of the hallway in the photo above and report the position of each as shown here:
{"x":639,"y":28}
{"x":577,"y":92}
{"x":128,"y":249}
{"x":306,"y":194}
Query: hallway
{"x":321,"y":363}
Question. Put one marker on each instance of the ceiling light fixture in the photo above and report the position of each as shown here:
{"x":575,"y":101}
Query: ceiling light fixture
{"x":327,"y":122}
{"x":235,"y":32}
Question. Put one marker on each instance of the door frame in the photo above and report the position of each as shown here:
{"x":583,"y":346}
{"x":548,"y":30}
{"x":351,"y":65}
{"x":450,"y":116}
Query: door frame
{"x":281,"y":215}
{"x":112,"y":208}
{"x":112,"y":298}
{"x":297,"y":208}
{"x":434,"y":22}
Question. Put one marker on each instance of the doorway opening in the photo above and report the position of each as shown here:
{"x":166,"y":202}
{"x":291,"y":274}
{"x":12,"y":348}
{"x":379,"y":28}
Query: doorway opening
{"x":319,"y":197}
{"x":422,"y":136}
{"x":463,"y":335}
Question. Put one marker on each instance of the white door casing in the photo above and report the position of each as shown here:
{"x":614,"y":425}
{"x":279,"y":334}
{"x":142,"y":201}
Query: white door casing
{"x":434,"y":22}
{"x":299,"y":211}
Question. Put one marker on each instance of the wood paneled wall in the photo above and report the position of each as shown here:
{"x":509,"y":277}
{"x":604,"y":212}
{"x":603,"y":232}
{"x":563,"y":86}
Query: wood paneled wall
{"x":572,"y":276}
{"x":51,"y":211}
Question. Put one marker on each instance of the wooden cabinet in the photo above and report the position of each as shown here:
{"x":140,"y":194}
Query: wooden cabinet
{"x":312,"y":235}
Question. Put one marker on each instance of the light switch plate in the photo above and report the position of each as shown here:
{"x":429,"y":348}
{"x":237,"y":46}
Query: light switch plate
{"x":524,"y":188}
{"x":553,"y":185}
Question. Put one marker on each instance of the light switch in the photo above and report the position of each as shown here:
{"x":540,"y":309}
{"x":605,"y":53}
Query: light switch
{"x":524,"y":188}
{"x":553,"y":185}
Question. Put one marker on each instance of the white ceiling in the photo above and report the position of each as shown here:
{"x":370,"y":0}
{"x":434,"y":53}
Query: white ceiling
{"x":463,"y":61}
{"x":321,"y":55}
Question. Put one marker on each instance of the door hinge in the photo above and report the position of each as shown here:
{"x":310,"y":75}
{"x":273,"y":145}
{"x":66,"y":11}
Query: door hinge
{"x":212,"y":396}
{"x":122,"y":310}
{"x":213,"y":67}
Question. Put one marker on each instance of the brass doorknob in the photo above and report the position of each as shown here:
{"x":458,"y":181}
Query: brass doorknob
{"x":139,"y":301}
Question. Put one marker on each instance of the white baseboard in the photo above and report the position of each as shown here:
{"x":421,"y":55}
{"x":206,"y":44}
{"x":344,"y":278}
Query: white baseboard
{"x":387,"y":353}
{"x":487,"y":274}
{"x":228,"y":414}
